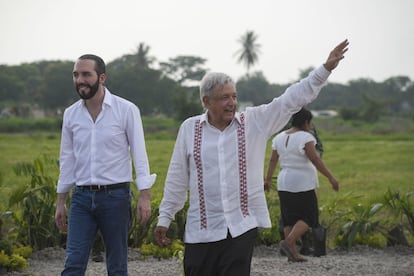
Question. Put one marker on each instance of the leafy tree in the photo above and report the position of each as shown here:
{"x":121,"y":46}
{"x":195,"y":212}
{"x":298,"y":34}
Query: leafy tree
{"x":184,"y":68}
{"x":399,"y":83}
{"x":11,"y":88}
{"x":57,"y":90}
{"x":372,"y":109}
{"x":256,"y":89}
{"x":169,"y":90}
{"x":151,"y":92}
{"x":187,"y":102}
{"x":249,"y":51}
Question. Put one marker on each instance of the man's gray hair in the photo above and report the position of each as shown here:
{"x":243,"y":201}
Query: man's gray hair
{"x":210,"y":81}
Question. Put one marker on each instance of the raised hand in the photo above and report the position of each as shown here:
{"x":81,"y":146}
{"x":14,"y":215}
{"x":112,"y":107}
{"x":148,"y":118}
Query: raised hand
{"x":336,"y":55}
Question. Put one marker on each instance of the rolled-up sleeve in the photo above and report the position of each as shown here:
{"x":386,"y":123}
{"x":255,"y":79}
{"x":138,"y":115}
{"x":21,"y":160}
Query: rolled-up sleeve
{"x":135,"y":132}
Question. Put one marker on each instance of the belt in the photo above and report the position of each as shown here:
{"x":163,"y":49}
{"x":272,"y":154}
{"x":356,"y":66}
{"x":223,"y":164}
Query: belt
{"x":103,"y":187}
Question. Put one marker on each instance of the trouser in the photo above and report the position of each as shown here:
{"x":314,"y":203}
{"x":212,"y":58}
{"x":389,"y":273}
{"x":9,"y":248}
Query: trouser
{"x":110,"y":212}
{"x":229,"y":257}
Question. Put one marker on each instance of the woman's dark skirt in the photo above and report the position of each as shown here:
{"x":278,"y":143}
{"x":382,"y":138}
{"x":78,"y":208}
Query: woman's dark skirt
{"x":299,"y":206}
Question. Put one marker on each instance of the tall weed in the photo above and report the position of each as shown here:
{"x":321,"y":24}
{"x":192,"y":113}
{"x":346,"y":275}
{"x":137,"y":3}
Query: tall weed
{"x":35,"y":202}
{"x":402,"y":206}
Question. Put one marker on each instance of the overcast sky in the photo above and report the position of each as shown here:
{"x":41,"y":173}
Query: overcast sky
{"x":294,"y":34}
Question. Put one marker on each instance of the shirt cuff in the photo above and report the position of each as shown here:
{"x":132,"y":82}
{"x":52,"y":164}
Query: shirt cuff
{"x":64,"y":188}
{"x":322,"y":72}
{"x":164,"y":221}
{"x":145,"y":182}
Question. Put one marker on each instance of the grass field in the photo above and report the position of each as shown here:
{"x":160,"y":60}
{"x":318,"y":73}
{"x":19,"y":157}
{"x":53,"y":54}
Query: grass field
{"x":364,"y":164}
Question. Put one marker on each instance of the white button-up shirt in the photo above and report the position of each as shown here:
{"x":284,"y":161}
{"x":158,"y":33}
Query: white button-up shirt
{"x":99,"y":153}
{"x":223,"y":170}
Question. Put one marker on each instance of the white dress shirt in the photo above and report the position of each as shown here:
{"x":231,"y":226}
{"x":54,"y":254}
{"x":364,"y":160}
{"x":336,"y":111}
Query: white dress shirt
{"x":297,"y":173}
{"x":99,"y":153}
{"x":223,"y":170}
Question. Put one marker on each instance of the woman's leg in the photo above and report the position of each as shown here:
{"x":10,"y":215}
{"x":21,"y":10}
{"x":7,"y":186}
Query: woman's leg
{"x":298,"y":230}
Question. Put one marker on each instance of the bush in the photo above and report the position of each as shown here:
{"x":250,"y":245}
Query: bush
{"x":151,"y":249}
{"x":360,"y":224}
{"x":12,"y":262}
{"x":14,"y":124}
{"x":402,"y":206}
{"x":36,"y":201}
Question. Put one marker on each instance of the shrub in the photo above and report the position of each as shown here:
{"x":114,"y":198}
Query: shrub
{"x":360,"y":225}
{"x":12,"y":262}
{"x":402,"y":206}
{"x":17,"y":262}
{"x":24,"y":251}
{"x":36,"y":201}
{"x":151,"y":249}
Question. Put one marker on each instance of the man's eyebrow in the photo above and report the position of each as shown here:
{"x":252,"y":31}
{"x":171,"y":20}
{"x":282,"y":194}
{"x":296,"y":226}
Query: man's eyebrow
{"x":82,"y":72}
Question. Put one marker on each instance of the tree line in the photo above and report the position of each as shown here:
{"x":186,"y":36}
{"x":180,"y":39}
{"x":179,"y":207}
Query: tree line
{"x":169,"y":88}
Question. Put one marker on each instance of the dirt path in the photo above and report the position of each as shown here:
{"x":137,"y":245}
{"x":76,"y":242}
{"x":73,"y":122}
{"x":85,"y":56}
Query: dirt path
{"x":398,"y":261}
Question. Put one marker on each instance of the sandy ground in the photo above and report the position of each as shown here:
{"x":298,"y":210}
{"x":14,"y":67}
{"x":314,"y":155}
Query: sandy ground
{"x":266,"y":261}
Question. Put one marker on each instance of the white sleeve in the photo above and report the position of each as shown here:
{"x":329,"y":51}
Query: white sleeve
{"x":136,"y":139}
{"x":272,"y":117}
{"x":176,"y":183}
{"x":66,"y":159}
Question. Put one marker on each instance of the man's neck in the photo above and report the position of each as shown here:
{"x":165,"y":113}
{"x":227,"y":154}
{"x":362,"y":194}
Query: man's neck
{"x":94,"y":105}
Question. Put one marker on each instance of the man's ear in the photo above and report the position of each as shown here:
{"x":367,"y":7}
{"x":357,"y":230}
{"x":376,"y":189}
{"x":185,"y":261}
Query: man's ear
{"x":102,"y":78}
{"x":206,"y":101}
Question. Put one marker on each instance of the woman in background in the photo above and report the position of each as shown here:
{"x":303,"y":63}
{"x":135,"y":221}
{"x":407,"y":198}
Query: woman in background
{"x":297,"y":180}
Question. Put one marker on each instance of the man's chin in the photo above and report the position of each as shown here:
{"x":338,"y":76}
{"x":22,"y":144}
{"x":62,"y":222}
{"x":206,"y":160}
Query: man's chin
{"x":230,"y":115}
{"x":229,"y":118}
{"x":84,"y":95}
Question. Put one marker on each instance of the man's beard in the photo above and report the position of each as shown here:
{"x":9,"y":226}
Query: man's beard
{"x":92,"y":90}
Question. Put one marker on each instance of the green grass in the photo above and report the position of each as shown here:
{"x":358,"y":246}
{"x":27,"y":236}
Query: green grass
{"x":369,"y":167}
{"x":366,"y":164}
{"x":16,"y":148}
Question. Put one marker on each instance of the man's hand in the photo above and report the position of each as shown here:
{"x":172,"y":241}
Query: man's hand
{"x":60,"y":214}
{"x":267,"y":185}
{"x":160,"y":236}
{"x":144,"y":206}
{"x":336,"y":55}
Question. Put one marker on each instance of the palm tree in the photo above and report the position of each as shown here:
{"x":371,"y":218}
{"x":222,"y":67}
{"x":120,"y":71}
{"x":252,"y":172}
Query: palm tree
{"x":248,"y":54}
{"x":143,"y":57}
{"x":139,"y":59}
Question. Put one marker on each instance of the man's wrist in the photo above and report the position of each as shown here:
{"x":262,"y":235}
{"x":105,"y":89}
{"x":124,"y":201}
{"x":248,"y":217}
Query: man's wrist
{"x":145,"y":194}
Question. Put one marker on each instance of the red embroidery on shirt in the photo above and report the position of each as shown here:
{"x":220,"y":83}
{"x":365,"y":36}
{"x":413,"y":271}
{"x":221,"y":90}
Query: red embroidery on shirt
{"x":242,"y":167}
{"x":197,"y":160}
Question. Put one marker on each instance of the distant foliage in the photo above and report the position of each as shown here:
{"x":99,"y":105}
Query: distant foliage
{"x":162,"y":89}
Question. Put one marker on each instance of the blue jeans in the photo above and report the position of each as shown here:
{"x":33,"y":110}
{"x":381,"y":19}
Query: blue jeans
{"x":110,"y":212}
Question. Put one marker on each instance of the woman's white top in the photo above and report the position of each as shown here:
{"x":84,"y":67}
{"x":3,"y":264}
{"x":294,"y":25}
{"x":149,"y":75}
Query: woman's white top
{"x":297,"y":173}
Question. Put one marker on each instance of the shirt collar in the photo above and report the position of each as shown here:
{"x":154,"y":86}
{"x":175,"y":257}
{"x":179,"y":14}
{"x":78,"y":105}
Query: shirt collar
{"x":204,"y":118}
{"x":108,"y":98}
